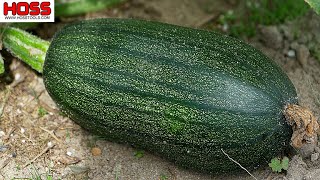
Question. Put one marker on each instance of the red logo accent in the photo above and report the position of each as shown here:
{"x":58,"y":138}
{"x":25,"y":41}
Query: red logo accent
{"x":24,"y":8}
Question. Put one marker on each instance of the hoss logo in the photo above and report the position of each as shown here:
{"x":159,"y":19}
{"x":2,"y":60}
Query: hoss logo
{"x":25,"y":8}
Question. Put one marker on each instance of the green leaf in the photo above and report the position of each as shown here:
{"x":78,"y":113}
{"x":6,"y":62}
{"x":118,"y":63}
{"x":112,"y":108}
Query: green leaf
{"x":315,"y":4}
{"x":285,"y":163}
{"x":275,"y":165}
{"x":278,"y":165}
{"x":1,"y":65}
{"x":42,"y":111}
{"x":139,"y":154}
{"x":163,"y":177}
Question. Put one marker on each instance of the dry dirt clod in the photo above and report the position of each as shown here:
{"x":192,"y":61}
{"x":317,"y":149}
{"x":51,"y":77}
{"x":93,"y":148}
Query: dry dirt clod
{"x":303,"y":54}
{"x":67,"y":160}
{"x":271,"y":37}
{"x":79,"y":169}
{"x":294,"y":45}
{"x":304,"y":125}
{"x":314,"y":157}
{"x":312,"y":175}
{"x":307,"y":150}
{"x":286,"y":30}
{"x":96,"y":151}
{"x":297,"y":168}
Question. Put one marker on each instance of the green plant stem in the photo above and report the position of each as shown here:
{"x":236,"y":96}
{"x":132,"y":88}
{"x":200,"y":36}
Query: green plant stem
{"x":1,"y":65}
{"x":25,"y":46}
{"x":76,"y":7}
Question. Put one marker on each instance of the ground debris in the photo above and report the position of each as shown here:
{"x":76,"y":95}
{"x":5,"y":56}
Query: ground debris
{"x":96,"y":151}
{"x":67,"y":160}
{"x":4,"y":163}
{"x":40,"y":154}
{"x":314,"y":157}
{"x":297,"y":168}
{"x":271,"y":36}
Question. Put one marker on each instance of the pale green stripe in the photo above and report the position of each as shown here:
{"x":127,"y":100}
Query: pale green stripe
{"x":1,"y":65}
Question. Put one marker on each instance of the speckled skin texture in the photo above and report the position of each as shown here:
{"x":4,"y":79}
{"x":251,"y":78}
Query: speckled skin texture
{"x":182,"y":93}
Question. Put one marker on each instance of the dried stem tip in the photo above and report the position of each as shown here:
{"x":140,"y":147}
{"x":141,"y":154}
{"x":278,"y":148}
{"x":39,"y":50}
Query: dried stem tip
{"x":304,"y":125}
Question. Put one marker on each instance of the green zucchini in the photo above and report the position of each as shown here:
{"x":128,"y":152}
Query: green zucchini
{"x":182,"y":93}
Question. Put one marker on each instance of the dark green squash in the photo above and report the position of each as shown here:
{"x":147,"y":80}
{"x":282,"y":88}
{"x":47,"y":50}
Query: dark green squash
{"x":182,"y":93}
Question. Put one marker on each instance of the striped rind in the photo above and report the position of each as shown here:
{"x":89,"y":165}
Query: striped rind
{"x":182,"y":93}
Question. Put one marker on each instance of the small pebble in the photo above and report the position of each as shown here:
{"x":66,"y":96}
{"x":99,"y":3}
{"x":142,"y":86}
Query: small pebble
{"x":314,"y":157}
{"x":96,"y":151}
{"x":2,"y":133}
{"x":23,"y":140}
{"x":14,"y":155}
{"x":17,"y":76}
{"x":49,"y":144}
{"x":22,"y":130}
{"x":225,"y":27}
{"x":69,"y":153}
{"x":291,"y":53}
{"x":3,"y":148}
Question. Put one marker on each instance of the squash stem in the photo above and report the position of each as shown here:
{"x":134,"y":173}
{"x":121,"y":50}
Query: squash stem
{"x":1,"y":65}
{"x":25,"y":46}
{"x":76,"y":7}
{"x":304,"y":125}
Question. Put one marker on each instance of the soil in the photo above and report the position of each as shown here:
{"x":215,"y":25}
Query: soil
{"x":35,"y":143}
